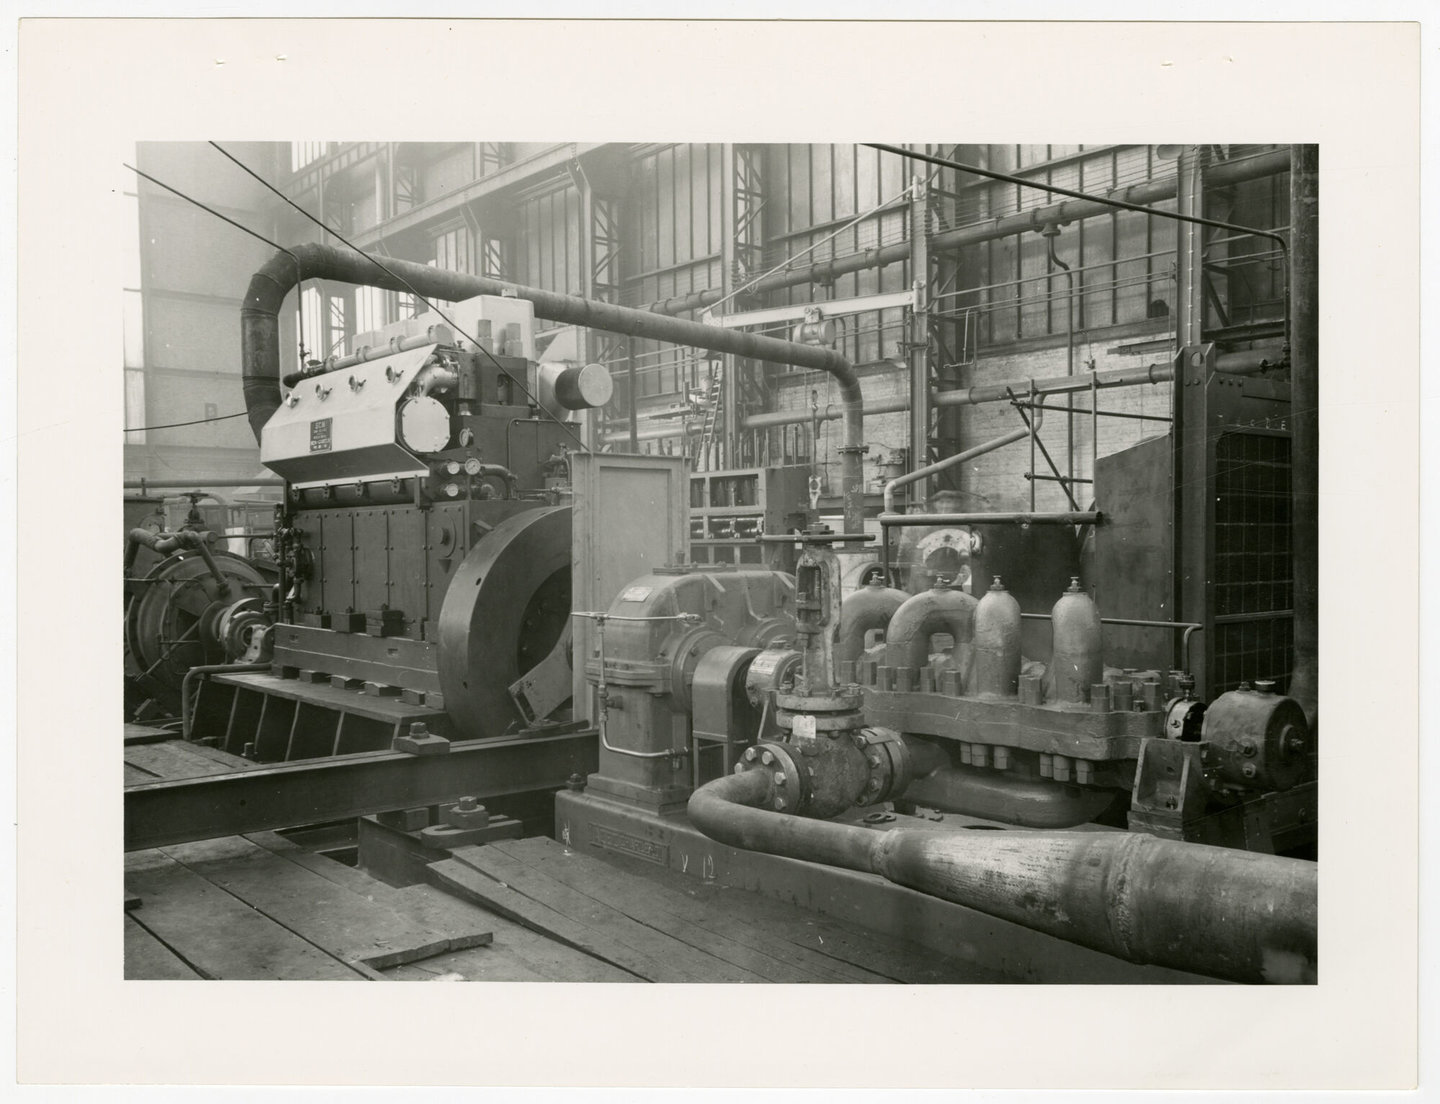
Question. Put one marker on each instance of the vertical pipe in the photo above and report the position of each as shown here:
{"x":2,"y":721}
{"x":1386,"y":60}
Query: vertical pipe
{"x":919,"y":327}
{"x":630,"y":388}
{"x":1305,"y":415}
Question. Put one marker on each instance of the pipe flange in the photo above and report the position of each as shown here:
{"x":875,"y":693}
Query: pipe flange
{"x":847,"y":699}
{"x":789,"y":787}
{"x":823,"y":722}
{"x":888,"y":760}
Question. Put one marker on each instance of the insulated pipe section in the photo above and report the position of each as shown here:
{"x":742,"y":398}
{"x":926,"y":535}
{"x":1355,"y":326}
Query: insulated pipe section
{"x":260,"y":335}
{"x":1207,"y":910}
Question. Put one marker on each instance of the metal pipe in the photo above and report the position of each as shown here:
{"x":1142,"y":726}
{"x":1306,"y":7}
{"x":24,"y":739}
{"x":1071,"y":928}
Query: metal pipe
{"x":1190,"y":627}
{"x":950,"y":461}
{"x":260,"y":336}
{"x":1305,"y":412}
{"x":1080,"y":517}
{"x":999,"y":796}
{"x":146,"y":484}
{"x":1246,"y":363}
{"x":195,"y":673}
{"x":1051,"y":234}
{"x":1154,"y":191}
{"x":1106,"y":201}
{"x":1215,"y":911}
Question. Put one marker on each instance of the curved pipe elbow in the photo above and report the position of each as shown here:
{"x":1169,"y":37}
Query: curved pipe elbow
{"x":907,"y":642}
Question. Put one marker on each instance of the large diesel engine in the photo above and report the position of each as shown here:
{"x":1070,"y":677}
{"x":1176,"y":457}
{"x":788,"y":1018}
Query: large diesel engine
{"x":424,"y":541}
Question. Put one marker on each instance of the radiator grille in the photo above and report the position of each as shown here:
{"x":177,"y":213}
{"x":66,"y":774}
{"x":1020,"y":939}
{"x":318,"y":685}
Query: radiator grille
{"x":1252,"y":575}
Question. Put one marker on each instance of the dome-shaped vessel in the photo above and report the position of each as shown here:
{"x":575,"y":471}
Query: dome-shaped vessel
{"x":1075,"y":661}
{"x":997,"y":643}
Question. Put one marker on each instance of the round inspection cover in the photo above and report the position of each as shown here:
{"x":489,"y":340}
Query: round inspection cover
{"x":503,"y":612}
{"x":424,"y":424}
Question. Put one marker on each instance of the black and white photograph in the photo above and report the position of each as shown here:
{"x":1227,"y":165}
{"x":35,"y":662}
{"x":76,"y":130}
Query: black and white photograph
{"x":871,"y":553}
{"x":579,"y":561}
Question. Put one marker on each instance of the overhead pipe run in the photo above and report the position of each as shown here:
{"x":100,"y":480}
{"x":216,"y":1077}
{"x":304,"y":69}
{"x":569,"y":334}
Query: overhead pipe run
{"x":1214,"y":911}
{"x":260,"y":335}
{"x":1154,"y":191}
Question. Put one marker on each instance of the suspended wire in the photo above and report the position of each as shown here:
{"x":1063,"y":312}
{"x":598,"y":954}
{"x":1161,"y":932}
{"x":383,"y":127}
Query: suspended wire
{"x":197,"y":421}
{"x":400,"y":279}
{"x":299,"y":280}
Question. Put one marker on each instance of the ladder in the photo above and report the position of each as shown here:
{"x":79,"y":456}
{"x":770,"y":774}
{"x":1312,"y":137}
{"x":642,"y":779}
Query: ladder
{"x":712,"y":416}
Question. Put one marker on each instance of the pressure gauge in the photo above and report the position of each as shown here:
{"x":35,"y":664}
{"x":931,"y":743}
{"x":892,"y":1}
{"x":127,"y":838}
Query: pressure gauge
{"x":472,"y":466}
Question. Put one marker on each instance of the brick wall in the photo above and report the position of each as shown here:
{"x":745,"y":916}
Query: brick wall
{"x":996,"y":481}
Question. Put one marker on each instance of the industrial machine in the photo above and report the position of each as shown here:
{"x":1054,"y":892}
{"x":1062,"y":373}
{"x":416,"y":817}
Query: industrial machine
{"x":977,"y":757}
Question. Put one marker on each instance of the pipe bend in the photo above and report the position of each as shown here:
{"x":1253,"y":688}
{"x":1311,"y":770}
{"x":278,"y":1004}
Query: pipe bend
{"x":942,"y":609}
{"x":724,"y":810}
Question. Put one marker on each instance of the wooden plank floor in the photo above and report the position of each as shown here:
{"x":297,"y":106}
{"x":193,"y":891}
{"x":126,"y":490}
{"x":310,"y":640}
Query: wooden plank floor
{"x":264,"y":907}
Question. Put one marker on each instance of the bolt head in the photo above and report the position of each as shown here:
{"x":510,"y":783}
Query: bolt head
{"x":466,"y":803}
{"x":1248,"y":749}
{"x":873,"y":759}
{"x":779,"y":803}
{"x":750,"y":755}
{"x":779,"y":778}
{"x":1249,"y":770}
{"x":739,"y":768}
{"x":767,"y":758}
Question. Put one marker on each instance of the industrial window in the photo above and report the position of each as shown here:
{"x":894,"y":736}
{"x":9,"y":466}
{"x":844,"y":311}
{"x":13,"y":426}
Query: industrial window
{"x":452,"y":250}
{"x":133,"y":322}
{"x":314,"y":318}
{"x":303,"y":153}
{"x":370,"y":304}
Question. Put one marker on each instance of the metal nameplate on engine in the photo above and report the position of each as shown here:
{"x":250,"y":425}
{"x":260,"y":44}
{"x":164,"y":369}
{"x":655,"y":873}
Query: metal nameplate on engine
{"x":626,"y":844}
{"x":636,"y":594}
{"x":320,"y":434}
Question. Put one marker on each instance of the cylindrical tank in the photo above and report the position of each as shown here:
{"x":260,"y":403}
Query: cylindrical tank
{"x":1075,"y":661}
{"x":997,"y":643}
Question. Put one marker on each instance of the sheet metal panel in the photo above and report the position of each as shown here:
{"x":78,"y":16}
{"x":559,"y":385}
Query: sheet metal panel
{"x":341,"y":425}
{"x":629,"y":518}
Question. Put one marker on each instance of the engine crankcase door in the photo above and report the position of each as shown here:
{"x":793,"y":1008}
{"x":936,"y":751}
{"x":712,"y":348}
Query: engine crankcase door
{"x":503,"y":613}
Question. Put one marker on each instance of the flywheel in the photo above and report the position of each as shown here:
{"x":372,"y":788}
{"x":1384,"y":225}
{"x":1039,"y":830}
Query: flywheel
{"x":172,"y":622}
{"x":504,"y":612}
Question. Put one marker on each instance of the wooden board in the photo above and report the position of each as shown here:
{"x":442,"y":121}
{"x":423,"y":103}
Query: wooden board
{"x":174,"y":759}
{"x":847,"y":946}
{"x":219,"y":935}
{"x":146,"y":958}
{"x":145,"y":734}
{"x":350,"y":927}
{"x":471,"y":885}
{"x":515,"y":953}
{"x":727,"y":935}
{"x":652,"y":940}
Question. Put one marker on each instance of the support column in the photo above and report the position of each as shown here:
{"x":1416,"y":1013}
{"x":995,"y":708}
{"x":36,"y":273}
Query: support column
{"x":1194,"y":362}
{"x":920,"y":328}
{"x":1305,"y":418}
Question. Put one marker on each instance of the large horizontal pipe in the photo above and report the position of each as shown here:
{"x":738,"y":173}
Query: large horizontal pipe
{"x":1207,"y":910}
{"x":260,"y":334}
{"x":996,"y":795}
{"x":1076,"y":517}
{"x":201,"y":484}
{"x":1244,"y":363}
{"x":1154,"y":191}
